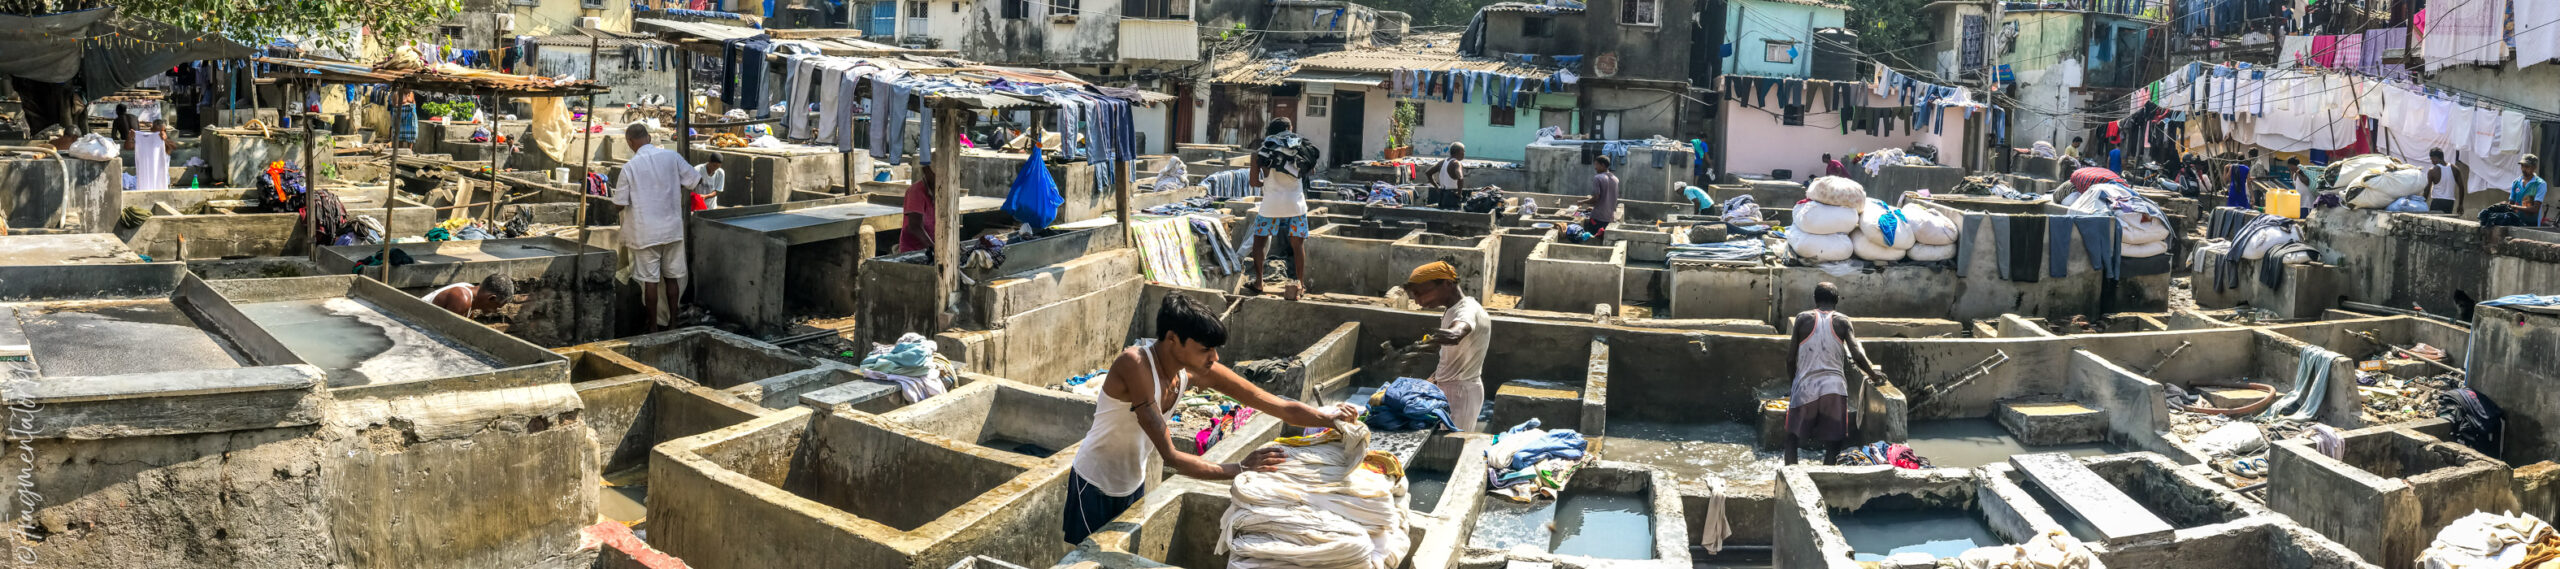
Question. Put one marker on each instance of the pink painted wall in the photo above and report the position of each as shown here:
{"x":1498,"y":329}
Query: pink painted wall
{"x":1757,"y":141}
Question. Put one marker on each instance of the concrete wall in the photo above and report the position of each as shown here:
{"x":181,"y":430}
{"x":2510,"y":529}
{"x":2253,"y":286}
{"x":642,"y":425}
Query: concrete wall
{"x":803,"y":490}
{"x":1749,"y":24}
{"x":2512,"y":365}
{"x":1758,"y":140}
{"x":241,"y":156}
{"x":2388,"y":494}
{"x":68,"y":193}
{"x":553,"y":60}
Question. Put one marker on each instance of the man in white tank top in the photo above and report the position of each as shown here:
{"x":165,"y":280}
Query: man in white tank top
{"x":2443,"y":192}
{"x":1112,"y":464}
{"x":1818,"y":400}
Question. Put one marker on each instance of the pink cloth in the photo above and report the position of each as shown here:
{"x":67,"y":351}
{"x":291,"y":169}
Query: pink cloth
{"x":2350,"y":50}
{"x":2324,"y":50}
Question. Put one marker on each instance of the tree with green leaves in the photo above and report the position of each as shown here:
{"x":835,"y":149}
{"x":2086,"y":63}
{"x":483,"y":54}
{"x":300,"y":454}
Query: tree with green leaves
{"x":324,"y":22}
{"x":1891,"y":31}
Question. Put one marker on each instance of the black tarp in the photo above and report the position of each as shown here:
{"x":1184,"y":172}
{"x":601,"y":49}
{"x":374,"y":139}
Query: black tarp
{"x":105,"y":53}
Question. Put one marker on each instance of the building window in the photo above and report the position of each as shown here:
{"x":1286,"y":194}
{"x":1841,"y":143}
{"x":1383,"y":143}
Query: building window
{"x":1418,"y":113}
{"x":1639,"y":12}
{"x":1504,"y":116}
{"x":451,"y":32}
{"x":1794,"y":116}
{"x":1781,"y":51}
{"x":955,"y":7}
{"x":589,"y":4}
{"x":1017,"y":9}
{"x":915,"y":9}
{"x":1537,"y":27}
{"x":1319,"y":107}
{"x":1146,"y":9}
{"x":1066,"y":6}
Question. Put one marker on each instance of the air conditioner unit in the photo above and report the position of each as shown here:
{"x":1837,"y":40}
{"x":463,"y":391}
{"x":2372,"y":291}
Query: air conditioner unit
{"x":591,"y":22}
{"x":506,"y":22}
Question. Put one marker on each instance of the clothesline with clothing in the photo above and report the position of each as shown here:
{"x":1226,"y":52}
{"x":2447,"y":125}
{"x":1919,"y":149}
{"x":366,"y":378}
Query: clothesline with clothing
{"x":1879,"y":106}
{"x":1498,"y":88}
{"x":819,"y":97}
{"x":2296,"y":110}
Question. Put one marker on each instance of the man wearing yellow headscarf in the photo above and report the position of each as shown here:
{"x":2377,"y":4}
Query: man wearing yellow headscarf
{"x":1463,"y":336}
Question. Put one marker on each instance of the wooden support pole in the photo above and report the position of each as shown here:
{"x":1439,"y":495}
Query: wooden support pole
{"x":586,"y":163}
{"x":489,"y":108}
{"x":946,"y":207}
{"x":391,"y":185}
{"x":684,"y":105}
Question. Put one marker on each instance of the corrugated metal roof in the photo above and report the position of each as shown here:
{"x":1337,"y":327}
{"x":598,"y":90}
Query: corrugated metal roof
{"x":1814,"y":3}
{"x":700,"y":29}
{"x":1532,"y":8}
{"x":582,"y":40}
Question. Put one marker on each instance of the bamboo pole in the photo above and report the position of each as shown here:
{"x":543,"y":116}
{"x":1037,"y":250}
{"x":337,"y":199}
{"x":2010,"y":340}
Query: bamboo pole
{"x":587,"y":163}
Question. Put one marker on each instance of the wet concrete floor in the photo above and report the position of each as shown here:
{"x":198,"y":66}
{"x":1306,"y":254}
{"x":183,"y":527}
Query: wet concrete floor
{"x":100,"y":338}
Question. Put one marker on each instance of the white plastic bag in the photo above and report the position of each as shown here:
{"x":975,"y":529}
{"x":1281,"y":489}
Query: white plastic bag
{"x":2143,"y":250}
{"x":1820,"y":219}
{"x":1932,"y":252}
{"x":1835,"y":190}
{"x":1820,"y":247}
{"x":93,"y":148}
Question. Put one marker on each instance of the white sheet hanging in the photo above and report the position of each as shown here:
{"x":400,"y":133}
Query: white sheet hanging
{"x":150,"y":161}
{"x":2468,"y":31}
{"x":2537,"y":32}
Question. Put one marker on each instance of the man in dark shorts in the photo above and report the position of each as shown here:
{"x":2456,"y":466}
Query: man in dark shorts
{"x":1818,"y":402}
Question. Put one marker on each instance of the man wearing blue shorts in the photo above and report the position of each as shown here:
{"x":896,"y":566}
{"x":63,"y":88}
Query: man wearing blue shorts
{"x":1280,"y":167}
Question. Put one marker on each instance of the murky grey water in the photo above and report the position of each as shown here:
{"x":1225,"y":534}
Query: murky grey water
{"x":1608,"y":526}
{"x":1967,"y":443}
{"x":1017,"y":447}
{"x":357,"y":344}
{"x":1424,"y":487}
{"x":1506,"y":525}
{"x":1941,"y":533}
{"x":626,"y":496}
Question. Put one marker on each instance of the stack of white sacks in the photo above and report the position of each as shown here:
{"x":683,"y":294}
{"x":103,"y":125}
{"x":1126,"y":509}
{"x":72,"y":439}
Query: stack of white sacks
{"x":1838,"y":221}
{"x":2146,"y":230}
{"x":2373,"y":181}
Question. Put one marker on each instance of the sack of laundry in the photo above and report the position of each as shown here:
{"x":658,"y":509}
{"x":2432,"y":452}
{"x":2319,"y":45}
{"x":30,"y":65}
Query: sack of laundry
{"x":1331,"y":503}
{"x":1835,"y":190}
{"x":1409,"y":404}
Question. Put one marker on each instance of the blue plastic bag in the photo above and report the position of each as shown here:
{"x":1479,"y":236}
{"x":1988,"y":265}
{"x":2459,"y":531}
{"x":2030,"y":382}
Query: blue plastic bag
{"x":1034,"y":199}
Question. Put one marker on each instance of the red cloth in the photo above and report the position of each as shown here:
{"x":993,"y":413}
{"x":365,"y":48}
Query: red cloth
{"x":1834,"y":168}
{"x":698,"y":204}
{"x":916,"y":234}
{"x":2324,"y":50}
{"x":2083,"y":178}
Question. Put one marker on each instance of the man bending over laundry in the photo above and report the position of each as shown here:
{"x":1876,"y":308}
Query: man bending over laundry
{"x":463,"y":299}
{"x":1463,"y":338}
{"x":1128,"y":442}
{"x":1818,"y":402}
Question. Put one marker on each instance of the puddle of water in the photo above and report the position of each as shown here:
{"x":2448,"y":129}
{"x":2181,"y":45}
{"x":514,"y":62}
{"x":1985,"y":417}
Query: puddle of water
{"x":1875,"y":535}
{"x":1502,"y":524}
{"x":625,"y":496}
{"x":1967,"y":443}
{"x":1424,"y":487}
{"x":1607,"y":526}
{"x":357,"y":344}
{"x":1017,"y":447}
{"x":1693,"y":451}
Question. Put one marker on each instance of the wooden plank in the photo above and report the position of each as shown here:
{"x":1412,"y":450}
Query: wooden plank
{"x":2097,"y":502}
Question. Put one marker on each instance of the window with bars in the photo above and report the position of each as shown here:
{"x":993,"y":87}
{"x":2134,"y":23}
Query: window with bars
{"x":1639,"y":12}
{"x":1504,"y":116}
{"x":1319,"y":107}
{"x":1780,"y":51}
{"x":1016,"y":9}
